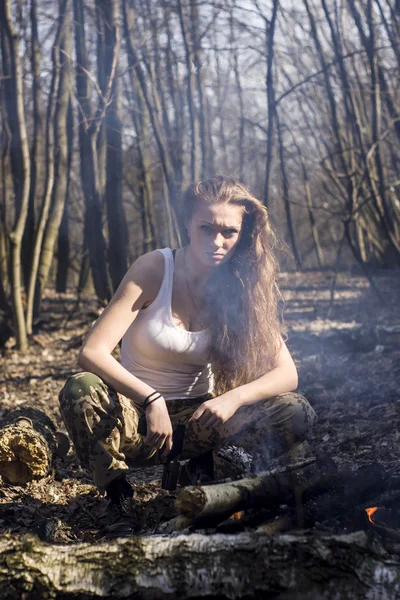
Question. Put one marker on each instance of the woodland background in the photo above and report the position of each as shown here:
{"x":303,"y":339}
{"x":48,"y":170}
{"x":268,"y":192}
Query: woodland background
{"x":109,"y":108}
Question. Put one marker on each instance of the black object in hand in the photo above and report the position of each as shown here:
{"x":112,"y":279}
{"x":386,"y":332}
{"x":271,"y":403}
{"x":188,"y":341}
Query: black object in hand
{"x":177,"y":437}
{"x":171,"y":465}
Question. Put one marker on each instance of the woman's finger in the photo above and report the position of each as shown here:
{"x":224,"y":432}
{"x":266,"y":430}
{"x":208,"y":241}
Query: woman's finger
{"x":211,"y":422}
{"x":204,"y":417}
{"x":197,"y":413}
{"x":153,"y":438}
{"x":167,"y":446}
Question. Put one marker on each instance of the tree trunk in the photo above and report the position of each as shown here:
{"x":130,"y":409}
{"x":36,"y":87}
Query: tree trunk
{"x":285,"y":194}
{"x":38,"y":161}
{"x":63,"y":233}
{"x":191,"y":93}
{"x":172,"y":188}
{"x":5,"y":189}
{"x":88,"y":130}
{"x":313,"y":224}
{"x":239,"y":90}
{"x":207,"y":166}
{"x":176,"y":98}
{"x":250,"y":565}
{"x":20,"y":160}
{"x":62,"y":163}
{"x":270,"y":34}
{"x":140,"y":120}
{"x":108,"y":14}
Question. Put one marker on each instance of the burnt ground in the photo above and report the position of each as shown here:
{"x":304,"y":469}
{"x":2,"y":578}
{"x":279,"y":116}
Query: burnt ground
{"x":348,"y":356}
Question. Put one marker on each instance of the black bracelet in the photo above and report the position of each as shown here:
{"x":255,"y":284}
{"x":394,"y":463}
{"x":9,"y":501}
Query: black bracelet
{"x":153,"y":400}
{"x":148,"y":400}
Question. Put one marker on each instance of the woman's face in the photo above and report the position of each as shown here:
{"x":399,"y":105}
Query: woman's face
{"x":214,"y":232}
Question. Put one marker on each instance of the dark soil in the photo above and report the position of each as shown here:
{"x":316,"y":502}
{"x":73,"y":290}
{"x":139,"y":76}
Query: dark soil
{"x":348,"y":356}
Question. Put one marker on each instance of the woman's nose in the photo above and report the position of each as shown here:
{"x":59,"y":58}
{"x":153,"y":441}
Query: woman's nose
{"x":219,"y":240}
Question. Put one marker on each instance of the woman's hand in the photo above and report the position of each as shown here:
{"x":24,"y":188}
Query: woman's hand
{"x":216,"y":411}
{"x":159,"y":426}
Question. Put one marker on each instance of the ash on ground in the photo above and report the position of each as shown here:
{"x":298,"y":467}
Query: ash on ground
{"x":348,"y":357}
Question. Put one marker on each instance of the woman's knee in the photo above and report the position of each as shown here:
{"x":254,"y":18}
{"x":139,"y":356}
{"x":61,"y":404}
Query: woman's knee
{"x":302,"y":415}
{"x":79,"y":386}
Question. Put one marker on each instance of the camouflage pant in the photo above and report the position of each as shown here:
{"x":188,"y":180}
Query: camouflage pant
{"x":103,"y":425}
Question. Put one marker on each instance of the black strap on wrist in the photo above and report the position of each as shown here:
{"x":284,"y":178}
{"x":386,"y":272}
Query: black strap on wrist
{"x":150,"y":399}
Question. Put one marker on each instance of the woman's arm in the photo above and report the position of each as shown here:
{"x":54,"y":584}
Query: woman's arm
{"x":283,"y":378}
{"x":140,"y":284}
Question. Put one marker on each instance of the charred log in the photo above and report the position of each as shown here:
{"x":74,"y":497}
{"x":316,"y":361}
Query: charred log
{"x":272,"y":487}
{"x":317,"y":497}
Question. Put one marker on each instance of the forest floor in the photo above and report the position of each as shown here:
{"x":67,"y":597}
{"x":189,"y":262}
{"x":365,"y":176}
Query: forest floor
{"x":348,"y":357}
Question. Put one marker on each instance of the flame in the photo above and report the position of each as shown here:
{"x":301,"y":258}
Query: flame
{"x":370,"y":512}
{"x":237,"y":515}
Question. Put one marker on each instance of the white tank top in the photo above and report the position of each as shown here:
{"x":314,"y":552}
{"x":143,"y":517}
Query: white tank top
{"x":168,"y":358}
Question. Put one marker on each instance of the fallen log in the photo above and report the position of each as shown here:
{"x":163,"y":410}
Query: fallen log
{"x":178,"y":523}
{"x":216,"y":566}
{"x":29,"y":440}
{"x":250,"y":492}
{"x":324,"y":495}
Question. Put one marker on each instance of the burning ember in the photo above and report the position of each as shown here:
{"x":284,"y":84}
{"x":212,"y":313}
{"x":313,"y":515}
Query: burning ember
{"x":237,"y":515}
{"x":370,"y":511}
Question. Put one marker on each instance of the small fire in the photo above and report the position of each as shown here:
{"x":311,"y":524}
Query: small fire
{"x":237,"y":515}
{"x":370,"y":512}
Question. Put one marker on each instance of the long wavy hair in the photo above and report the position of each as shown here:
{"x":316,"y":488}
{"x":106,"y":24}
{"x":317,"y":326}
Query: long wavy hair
{"x":242,"y":295}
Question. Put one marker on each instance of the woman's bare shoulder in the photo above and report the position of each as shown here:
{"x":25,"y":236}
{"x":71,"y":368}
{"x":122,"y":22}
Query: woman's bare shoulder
{"x":147,"y":272}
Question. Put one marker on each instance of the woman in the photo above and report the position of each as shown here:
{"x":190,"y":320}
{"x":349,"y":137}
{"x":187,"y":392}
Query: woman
{"x":201,"y":345}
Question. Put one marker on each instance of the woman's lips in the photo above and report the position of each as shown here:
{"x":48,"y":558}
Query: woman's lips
{"x":215,"y":255}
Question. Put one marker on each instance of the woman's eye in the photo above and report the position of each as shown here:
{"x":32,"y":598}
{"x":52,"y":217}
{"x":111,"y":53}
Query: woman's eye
{"x":206,"y":228}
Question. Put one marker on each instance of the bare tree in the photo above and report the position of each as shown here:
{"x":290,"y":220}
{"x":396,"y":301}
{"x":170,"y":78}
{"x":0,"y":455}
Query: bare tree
{"x":109,"y":20}
{"x":55,"y":174}
{"x":89,"y":123}
{"x":14,"y":118}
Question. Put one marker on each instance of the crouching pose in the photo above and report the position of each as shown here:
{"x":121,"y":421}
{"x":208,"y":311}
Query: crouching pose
{"x":201,"y":346}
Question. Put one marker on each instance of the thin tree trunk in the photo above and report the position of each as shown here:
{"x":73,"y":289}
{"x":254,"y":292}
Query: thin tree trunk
{"x":191,"y":93}
{"x":6,"y":185}
{"x":392,"y":35}
{"x":386,"y":93}
{"x":376,"y":134}
{"x":62,"y":162}
{"x":140,"y":119}
{"x":88,"y":130}
{"x":353,"y":122}
{"x":50,"y":160}
{"x":156,"y":72}
{"x":285,"y":194}
{"x":176,"y":98}
{"x":63,"y":245}
{"x":307,"y":190}
{"x":239,"y":90}
{"x":20,"y":160}
{"x":172,"y":189}
{"x":207,"y":166}
{"x":220,"y":95}
{"x":38,"y":161}
{"x":270,"y":35}
{"x":117,"y":229}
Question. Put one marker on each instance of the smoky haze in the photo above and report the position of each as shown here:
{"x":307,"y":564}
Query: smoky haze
{"x":118,"y":106}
